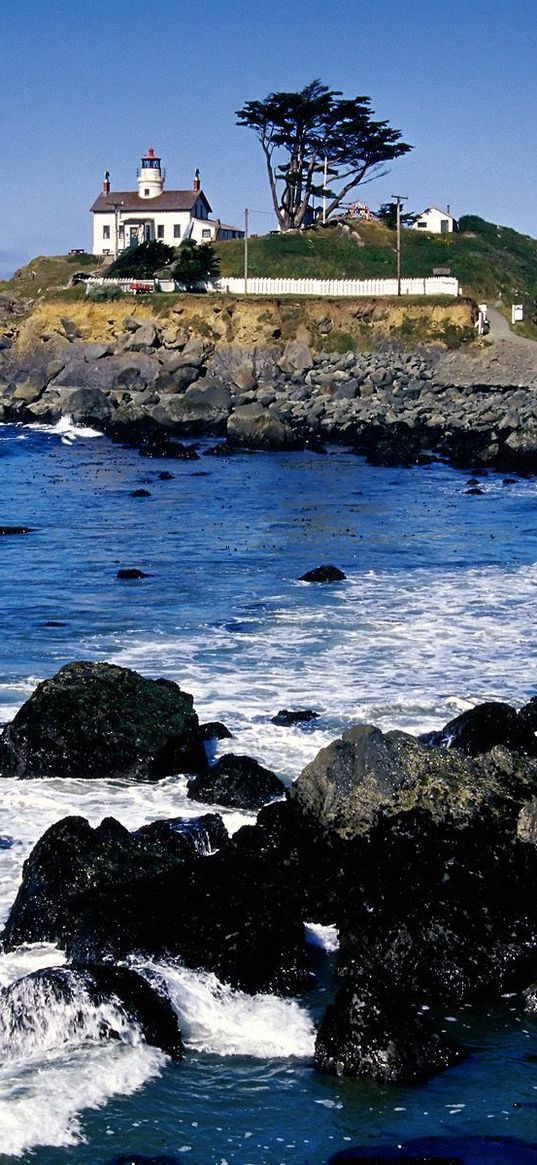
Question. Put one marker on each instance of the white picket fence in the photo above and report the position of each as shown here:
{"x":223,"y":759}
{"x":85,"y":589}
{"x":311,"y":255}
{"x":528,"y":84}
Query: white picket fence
{"x":431,"y":285}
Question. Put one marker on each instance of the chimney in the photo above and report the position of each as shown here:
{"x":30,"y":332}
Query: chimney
{"x":196,"y":185}
{"x":106,"y":183}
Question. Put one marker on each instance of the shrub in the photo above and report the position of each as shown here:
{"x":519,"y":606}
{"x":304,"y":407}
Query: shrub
{"x":102,"y":294}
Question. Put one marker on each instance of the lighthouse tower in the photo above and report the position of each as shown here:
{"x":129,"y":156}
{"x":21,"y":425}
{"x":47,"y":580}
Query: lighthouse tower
{"x":150,"y":176}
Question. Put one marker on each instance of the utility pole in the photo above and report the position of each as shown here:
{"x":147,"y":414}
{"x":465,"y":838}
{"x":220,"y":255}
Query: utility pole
{"x":399,"y":198}
{"x":245,"y":252}
{"x":325,"y":183}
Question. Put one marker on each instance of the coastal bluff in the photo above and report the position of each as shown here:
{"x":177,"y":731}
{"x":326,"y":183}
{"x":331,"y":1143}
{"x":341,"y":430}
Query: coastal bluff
{"x":277,"y":375}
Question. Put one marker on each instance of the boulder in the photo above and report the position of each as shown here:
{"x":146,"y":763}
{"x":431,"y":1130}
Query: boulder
{"x":253,"y":427}
{"x":323,"y":574}
{"x":70,"y":329}
{"x":99,"y":720}
{"x":145,"y":336}
{"x":215,"y":730}
{"x":131,"y":572}
{"x":73,"y":864}
{"x":87,"y":406}
{"x":371,"y":1031}
{"x":105,"y":893}
{"x":485,"y":726}
{"x":296,"y":357}
{"x":286,"y":717}
{"x":368,"y":775}
{"x":238,"y":782}
{"x":67,"y":1001}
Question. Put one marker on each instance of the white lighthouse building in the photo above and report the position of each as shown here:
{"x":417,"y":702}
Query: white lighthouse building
{"x":126,"y":218}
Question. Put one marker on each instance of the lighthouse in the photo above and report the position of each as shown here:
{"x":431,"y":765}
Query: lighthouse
{"x":150,"y":176}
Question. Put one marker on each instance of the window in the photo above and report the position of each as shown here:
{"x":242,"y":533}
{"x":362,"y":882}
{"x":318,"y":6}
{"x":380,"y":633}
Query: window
{"x":160,"y":232}
{"x":146,"y":191}
{"x":422,"y":226}
{"x":106,"y":232}
{"x":205,"y":234}
{"x":177,"y":230}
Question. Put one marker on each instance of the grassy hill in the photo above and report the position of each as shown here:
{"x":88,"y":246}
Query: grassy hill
{"x":492,"y":263}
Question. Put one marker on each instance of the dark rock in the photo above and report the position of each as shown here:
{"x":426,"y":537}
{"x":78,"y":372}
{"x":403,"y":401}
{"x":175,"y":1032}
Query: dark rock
{"x":475,"y":491}
{"x":528,"y":714}
{"x":238,"y":782}
{"x":166,"y":475}
{"x":88,"y":406}
{"x":138,"y":1159}
{"x":323,"y":574}
{"x":370,"y":1031}
{"x":104,"y":893}
{"x":253,"y":427}
{"x":140,"y":493}
{"x":286,"y":717}
{"x":54,"y":623}
{"x":223,"y":449}
{"x":131,"y":572}
{"x":215,"y":730}
{"x":438,"y":1150}
{"x":81,"y":987}
{"x":485,"y":726}
{"x":16,"y":530}
{"x":185,"y":837}
{"x":166,"y":447}
{"x":99,"y":720}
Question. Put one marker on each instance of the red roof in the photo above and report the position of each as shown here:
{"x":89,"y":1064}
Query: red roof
{"x":168,"y":200}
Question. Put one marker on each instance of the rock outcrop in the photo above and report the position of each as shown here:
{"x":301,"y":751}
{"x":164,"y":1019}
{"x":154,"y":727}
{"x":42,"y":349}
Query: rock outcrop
{"x":238,"y":782}
{"x":99,"y":720}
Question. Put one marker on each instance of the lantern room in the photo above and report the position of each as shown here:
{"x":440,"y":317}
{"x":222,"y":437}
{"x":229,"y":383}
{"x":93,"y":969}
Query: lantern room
{"x":150,"y":176}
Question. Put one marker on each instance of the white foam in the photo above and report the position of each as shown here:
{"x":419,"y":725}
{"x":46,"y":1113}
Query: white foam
{"x":216,"y":1019}
{"x":325,"y":937}
{"x":43,"y":1107}
{"x":56,"y":1062}
{"x":67,"y":429}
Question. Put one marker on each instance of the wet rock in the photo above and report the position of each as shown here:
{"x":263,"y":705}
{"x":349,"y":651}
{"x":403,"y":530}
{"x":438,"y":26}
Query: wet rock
{"x":253,"y":427}
{"x":323,"y":574}
{"x":140,"y":493}
{"x":7,"y":530}
{"x":160,"y":446}
{"x":215,"y":730}
{"x":88,"y":406}
{"x":131,"y":572}
{"x":483,"y":727}
{"x":78,"y":989}
{"x":184,"y":838}
{"x":286,"y":717}
{"x":370,"y":1031}
{"x":238,"y":782}
{"x":99,"y":720}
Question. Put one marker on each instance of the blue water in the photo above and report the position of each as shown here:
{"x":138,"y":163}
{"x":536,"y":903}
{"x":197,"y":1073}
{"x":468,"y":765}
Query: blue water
{"x":437,"y":613}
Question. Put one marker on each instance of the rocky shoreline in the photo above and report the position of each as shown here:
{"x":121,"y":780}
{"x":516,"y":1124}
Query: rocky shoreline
{"x":423,"y":853}
{"x":158,"y":385}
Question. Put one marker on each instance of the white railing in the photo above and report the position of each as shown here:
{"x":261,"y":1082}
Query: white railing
{"x":431,"y":285}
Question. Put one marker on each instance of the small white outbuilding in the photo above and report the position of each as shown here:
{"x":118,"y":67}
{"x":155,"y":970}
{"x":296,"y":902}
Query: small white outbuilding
{"x":437,"y":222}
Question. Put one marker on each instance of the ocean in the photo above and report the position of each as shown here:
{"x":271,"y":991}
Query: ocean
{"x":436,"y":614}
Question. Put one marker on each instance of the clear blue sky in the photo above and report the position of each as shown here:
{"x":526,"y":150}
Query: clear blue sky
{"x":88,"y":88}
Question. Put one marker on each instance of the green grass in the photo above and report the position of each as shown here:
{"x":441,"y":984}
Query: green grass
{"x":492,"y":263}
